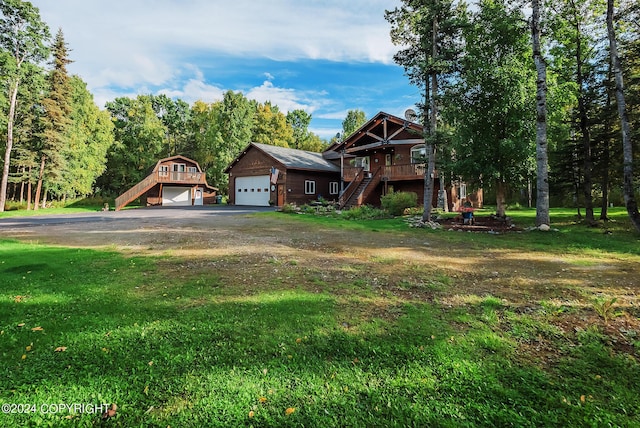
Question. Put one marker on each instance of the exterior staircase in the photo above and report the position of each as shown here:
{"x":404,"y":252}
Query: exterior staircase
{"x":355,"y":199}
{"x":137,"y":190}
{"x":357,"y":192}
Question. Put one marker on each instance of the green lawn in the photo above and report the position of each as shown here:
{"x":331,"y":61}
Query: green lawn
{"x":300,"y":349}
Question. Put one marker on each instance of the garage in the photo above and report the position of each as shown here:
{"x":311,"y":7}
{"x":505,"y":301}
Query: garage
{"x":176,"y":196}
{"x":252,"y":190}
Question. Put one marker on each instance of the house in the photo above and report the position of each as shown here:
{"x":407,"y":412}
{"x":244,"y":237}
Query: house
{"x":174,"y":181}
{"x":385,"y":155}
{"x":264,"y":175}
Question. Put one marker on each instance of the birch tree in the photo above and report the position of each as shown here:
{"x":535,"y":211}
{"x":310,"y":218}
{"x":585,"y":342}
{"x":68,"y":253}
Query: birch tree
{"x":625,"y":128}
{"x":542,"y":159}
{"x":23,"y":37}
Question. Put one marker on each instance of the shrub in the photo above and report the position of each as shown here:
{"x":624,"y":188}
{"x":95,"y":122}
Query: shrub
{"x":364,"y":212}
{"x":395,"y":203}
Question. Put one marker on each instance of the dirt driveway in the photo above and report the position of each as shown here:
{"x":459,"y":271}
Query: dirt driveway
{"x":263,"y":252}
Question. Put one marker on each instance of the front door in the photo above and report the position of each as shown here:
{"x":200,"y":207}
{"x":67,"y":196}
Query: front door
{"x":364,"y":163}
{"x":280,"y":195}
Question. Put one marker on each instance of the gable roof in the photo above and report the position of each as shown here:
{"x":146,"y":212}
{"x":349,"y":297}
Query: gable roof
{"x":382,"y":129}
{"x":291,"y":158}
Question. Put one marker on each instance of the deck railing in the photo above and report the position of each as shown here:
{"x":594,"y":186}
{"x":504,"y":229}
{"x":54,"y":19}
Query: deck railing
{"x":389,"y":172}
{"x":162,"y":177}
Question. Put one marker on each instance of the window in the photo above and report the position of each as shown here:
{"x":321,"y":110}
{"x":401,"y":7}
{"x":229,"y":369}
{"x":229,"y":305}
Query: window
{"x":333,"y":188}
{"x":164,"y":170}
{"x":309,"y":187}
{"x":463,"y":191}
{"x":419,"y":154}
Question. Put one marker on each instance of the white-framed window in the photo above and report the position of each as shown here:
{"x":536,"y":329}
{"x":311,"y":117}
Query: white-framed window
{"x":418,"y":154}
{"x":463,"y":191}
{"x":309,"y":187}
{"x":164,"y":170}
{"x":333,"y":188}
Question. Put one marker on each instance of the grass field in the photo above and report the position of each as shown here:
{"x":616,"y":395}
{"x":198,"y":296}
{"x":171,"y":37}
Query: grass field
{"x":544,"y":333}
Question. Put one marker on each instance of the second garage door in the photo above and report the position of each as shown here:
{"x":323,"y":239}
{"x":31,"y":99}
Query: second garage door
{"x":253,"y":190}
{"x":180,"y":196}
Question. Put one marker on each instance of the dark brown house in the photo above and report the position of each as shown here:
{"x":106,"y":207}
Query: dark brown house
{"x":264,"y":175}
{"x":387,"y":155}
{"x":174,"y":181}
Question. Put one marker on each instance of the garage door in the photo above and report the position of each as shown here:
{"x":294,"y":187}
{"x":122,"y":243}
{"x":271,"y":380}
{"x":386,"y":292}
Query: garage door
{"x":176,"y":196}
{"x":253,"y":190}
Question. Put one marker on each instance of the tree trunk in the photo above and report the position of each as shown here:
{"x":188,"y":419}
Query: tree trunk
{"x":429,"y":174}
{"x":606,"y":160}
{"x":13,"y":99}
{"x":22,"y":187}
{"x":36,"y":202}
{"x":501,"y":204}
{"x":542,"y":184}
{"x":44,"y":199}
{"x":587,"y":184}
{"x":627,"y":146}
{"x":29,"y":190}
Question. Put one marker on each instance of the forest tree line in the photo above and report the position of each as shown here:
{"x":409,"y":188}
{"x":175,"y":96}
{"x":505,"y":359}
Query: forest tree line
{"x":482,"y":85}
{"x":474,"y":64}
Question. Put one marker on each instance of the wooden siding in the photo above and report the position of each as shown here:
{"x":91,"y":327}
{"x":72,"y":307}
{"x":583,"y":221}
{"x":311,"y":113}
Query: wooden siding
{"x":252,"y":163}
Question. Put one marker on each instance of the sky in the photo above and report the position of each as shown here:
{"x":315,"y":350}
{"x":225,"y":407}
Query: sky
{"x":323,"y":56}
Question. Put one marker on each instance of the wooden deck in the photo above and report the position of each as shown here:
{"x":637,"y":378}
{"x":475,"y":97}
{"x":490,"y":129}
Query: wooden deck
{"x":412,"y":171}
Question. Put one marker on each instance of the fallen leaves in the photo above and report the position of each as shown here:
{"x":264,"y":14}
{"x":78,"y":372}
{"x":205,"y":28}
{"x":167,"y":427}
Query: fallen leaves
{"x":37,"y":328}
{"x":111,"y":412}
{"x":19,"y":299}
{"x":289,"y":411}
{"x":60,"y":349}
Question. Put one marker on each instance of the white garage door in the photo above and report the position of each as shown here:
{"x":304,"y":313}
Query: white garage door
{"x":176,"y":196}
{"x":253,"y":190}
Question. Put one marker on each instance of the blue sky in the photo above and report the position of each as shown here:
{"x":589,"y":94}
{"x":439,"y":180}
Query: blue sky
{"x":323,"y":56}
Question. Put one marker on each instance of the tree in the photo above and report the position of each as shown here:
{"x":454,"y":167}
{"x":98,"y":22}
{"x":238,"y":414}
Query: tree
{"x":235,"y":120}
{"x":89,"y":137}
{"x":174,"y":114}
{"x":270,"y":126}
{"x":490,"y":105}
{"x":574,"y":27}
{"x":204,"y":136}
{"x":139,"y":143}
{"x":542,"y":160}
{"x":429,"y":29}
{"x":629,"y":194}
{"x":57,"y":109}
{"x":354,"y":120}
{"x":23,"y":37}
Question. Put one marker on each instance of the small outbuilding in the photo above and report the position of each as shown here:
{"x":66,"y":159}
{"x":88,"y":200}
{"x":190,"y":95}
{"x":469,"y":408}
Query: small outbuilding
{"x":174,"y":181}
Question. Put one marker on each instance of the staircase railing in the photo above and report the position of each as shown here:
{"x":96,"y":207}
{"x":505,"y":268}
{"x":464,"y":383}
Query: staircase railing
{"x":137,"y":190}
{"x":376,"y":177}
{"x":351,"y":188}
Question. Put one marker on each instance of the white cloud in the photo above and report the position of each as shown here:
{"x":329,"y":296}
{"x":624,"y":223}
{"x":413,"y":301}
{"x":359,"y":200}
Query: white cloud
{"x":129,"y":42}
